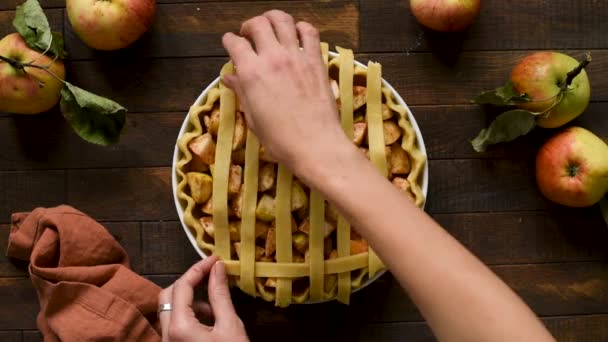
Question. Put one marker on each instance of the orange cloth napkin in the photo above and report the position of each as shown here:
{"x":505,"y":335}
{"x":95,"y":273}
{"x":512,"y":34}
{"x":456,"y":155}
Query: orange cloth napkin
{"x":86,"y":289}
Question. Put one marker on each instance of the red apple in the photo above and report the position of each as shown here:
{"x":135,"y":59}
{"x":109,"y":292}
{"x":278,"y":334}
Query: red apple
{"x":541,"y":76}
{"x":110,"y":24}
{"x":27,"y":90}
{"x":445,"y":15}
{"x":572,"y":168}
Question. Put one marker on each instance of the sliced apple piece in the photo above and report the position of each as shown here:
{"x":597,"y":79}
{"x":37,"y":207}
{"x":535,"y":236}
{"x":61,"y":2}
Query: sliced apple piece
{"x":201,"y":185}
{"x":208,"y":226}
{"x":213,"y":125}
{"x":392,"y":132}
{"x":203,"y":147}
{"x":358,"y":246}
{"x":265,"y":209}
{"x":300,"y":241}
{"x":299,"y":199}
{"x":387,"y":113}
{"x":359,"y":97}
{"x":360,"y":129}
{"x":235,"y":178}
{"x":405,"y":186}
{"x":271,"y":242}
{"x":267,"y":177}
{"x":400,"y":161}
{"x":240,"y":132}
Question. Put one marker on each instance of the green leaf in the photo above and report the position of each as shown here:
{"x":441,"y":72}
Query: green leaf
{"x":94,"y":118}
{"x":506,"y":127}
{"x":503,"y":96}
{"x":604,"y":208}
{"x":33,"y":26}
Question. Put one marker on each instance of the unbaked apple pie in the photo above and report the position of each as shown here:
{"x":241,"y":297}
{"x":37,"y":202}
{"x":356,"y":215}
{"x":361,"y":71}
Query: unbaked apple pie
{"x":280,"y":240}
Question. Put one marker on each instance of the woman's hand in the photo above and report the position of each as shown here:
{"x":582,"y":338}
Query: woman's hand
{"x":284,"y":89}
{"x":181,"y":324}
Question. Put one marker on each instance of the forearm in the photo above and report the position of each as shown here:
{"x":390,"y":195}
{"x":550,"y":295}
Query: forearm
{"x":461,"y":299}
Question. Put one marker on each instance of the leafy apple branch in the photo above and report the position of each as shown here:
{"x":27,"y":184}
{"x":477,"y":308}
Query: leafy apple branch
{"x":94,"y":118}
{"x":514,"y":123}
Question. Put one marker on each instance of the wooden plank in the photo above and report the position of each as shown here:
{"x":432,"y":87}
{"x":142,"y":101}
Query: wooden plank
{"x":172,"y":85}
{"x":389,"y":25}
{"x":32,"y":336}
{"x":456,"y":186}
{"x":558,"y":235}
{"x":26,"y":190}
{"x":148,"y":140}
{"x":19,"y":295}
{"x":448,"y":129}
{"x":586,"y":328}
{"x":166,"y":249}
{"x":12,"y":4}
{"x":186,"y":30}
{"x":551,"y":290}
{"x":426,"y":79}
{"x":122,"y":194}
{"x":55,"y":17}
{"x":467,"y":185}
{"x":10,"y":336}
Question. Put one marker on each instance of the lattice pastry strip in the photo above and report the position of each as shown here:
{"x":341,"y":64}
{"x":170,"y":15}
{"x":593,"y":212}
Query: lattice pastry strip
{"x":228,"y":224}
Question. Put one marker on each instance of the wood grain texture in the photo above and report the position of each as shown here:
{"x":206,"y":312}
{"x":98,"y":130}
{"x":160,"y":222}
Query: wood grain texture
{"x":26,"y":190}
{"x":166,"y":249}
{"x":55,"y":17}
{"x":148,"y":140}
{"x":563,"y":289}
{"x":10,"y":336}
{"x":435,"y":79}
{"x":186,"y":30}
{"x":162,"y":85}
{"x":447,"y":130}
{"x":122,"y":194}
{"x":46,"y":4}
{"x":19,"y":295}
{"x":556,"y":235}
{"x":501,"y":25}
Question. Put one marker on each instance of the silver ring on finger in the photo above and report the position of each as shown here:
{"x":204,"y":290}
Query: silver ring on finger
{"x":164,"y":307}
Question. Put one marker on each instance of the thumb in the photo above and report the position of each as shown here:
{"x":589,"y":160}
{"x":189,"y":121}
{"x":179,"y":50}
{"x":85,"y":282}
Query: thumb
{"x":219,"y":296}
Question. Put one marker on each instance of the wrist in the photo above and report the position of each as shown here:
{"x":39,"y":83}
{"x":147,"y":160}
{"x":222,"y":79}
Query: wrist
{"x":326,"y":167}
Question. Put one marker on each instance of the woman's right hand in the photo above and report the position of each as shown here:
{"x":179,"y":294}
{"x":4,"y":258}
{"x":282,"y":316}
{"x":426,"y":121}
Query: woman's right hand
{"x":284,"y":90}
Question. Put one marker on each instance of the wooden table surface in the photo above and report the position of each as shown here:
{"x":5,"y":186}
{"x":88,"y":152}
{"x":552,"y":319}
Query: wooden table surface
{"x":554,"y":257}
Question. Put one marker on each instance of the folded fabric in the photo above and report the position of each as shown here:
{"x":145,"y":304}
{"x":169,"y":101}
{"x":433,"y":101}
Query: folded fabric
{"x":86,"y":289}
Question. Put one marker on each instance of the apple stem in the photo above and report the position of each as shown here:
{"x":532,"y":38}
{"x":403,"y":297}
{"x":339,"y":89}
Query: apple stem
{"x":576,"y":71}
{"x":19,"y":65}
{"x":14,"y":63}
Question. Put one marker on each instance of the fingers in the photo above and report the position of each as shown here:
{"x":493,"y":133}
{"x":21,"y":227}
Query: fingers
{"x":219,"y":297}
{"x":259,"y":30}
{"x":203,"y":309}
{"x":309,"y":38}
{"x":183,"y":288}
{"x":165,"y":317}
{"x":284,"y":28}
{"x":239,"y":48}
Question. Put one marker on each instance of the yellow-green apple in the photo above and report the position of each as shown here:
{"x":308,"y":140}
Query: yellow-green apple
{"x":541,"y":76}
{"x":26,"y":89}
{"x":445,"y":15}
{"x":110,"y":24}
{"x":572,"y":168}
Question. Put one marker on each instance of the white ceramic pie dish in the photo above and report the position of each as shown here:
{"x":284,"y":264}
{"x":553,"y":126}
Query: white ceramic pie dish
{"x":200,"y":100}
